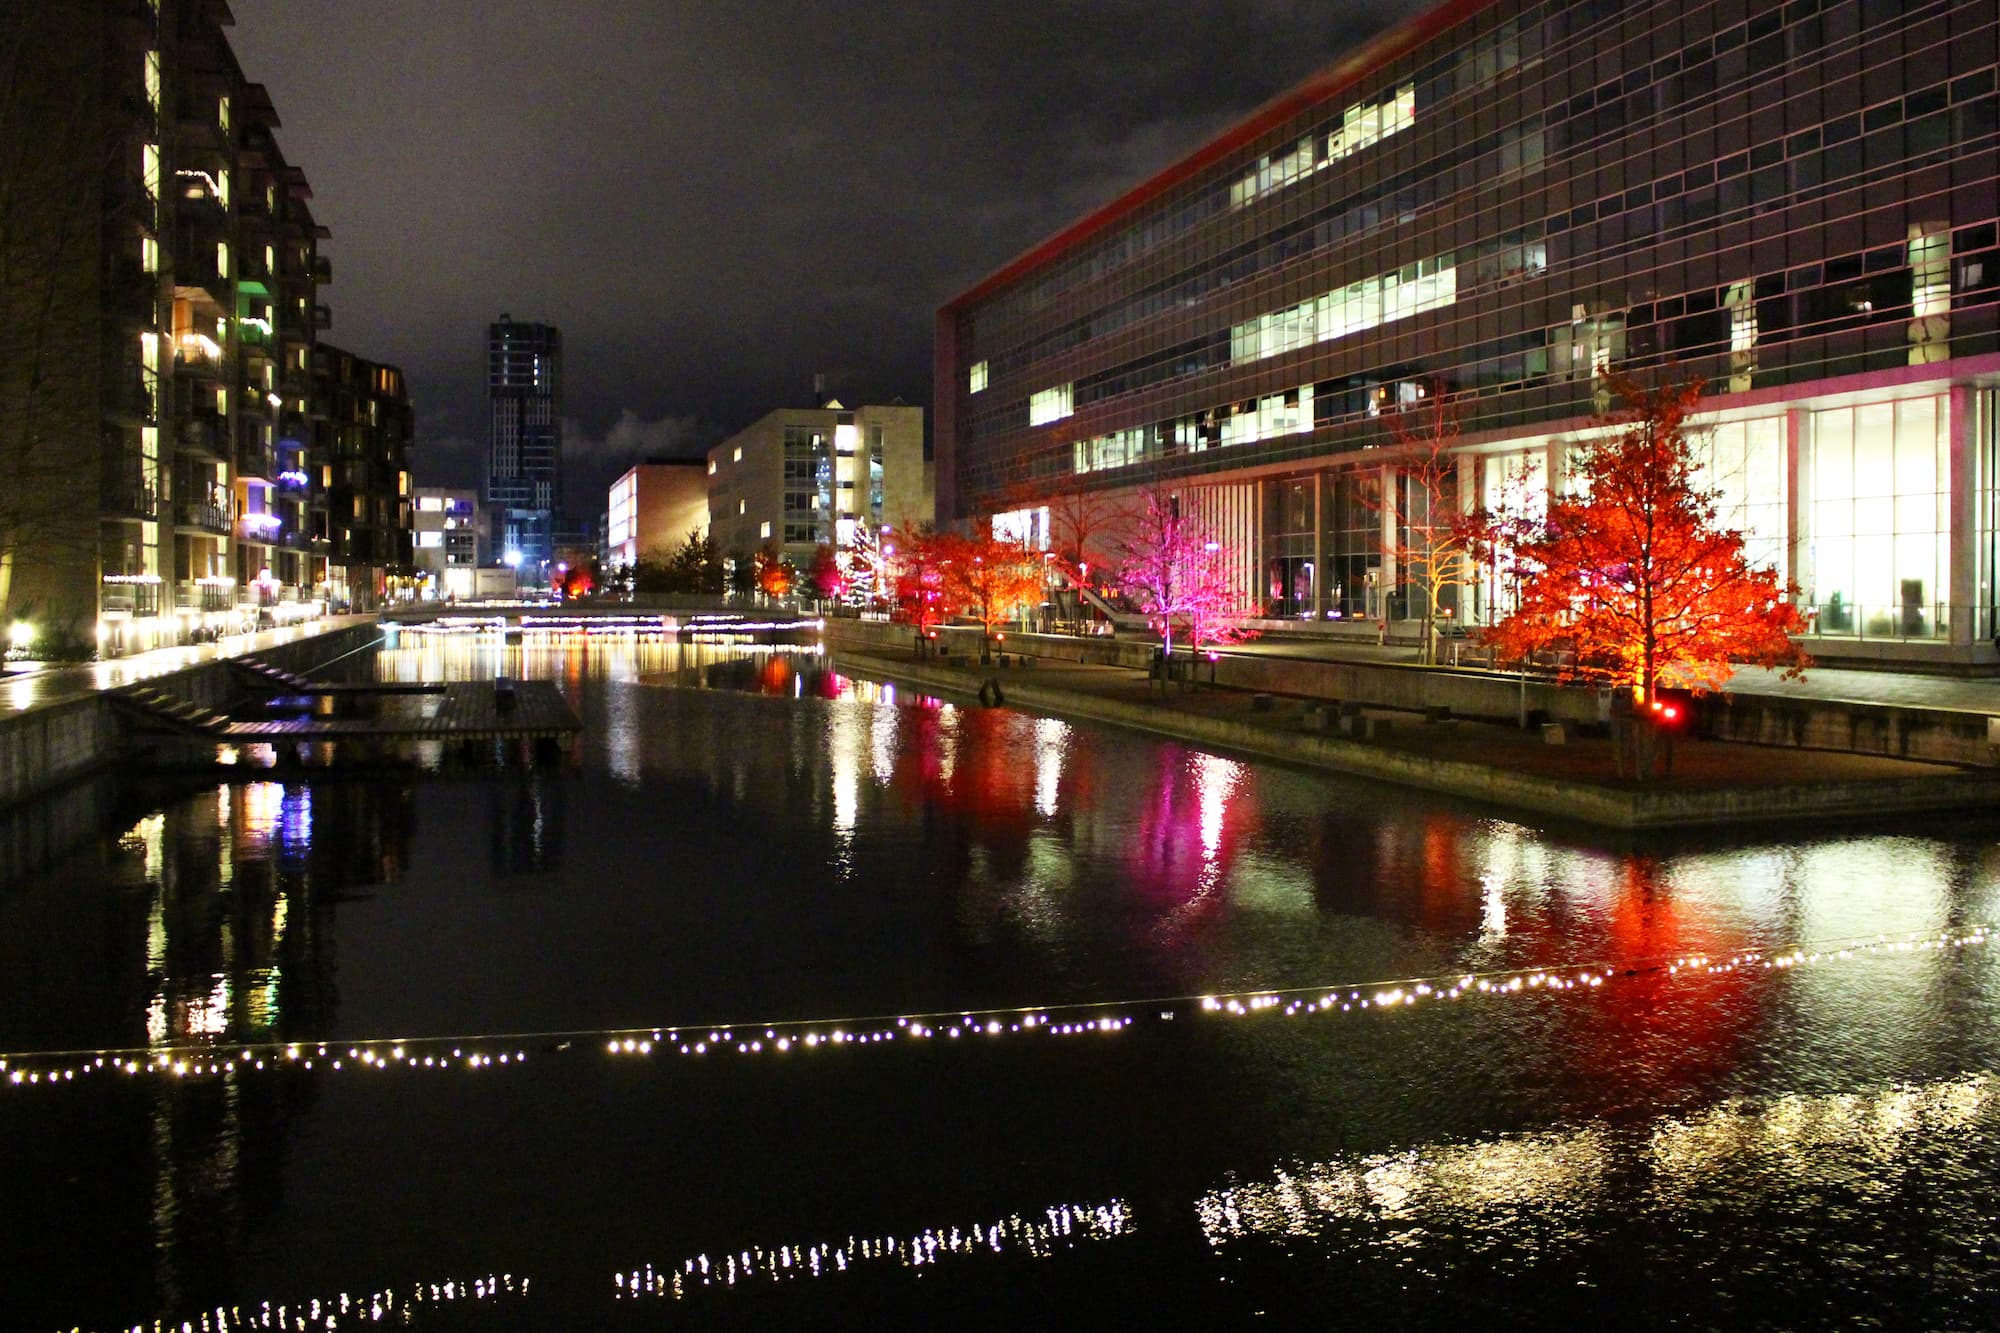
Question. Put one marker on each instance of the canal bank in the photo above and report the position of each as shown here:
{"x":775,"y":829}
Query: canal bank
{"x":1715,"y":783}
{"x":60,"y":725}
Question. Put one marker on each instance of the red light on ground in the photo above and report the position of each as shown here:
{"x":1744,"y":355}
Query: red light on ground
{"x":1671,"y":713}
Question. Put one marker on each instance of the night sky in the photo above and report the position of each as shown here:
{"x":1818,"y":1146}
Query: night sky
{"x":714,"y":201}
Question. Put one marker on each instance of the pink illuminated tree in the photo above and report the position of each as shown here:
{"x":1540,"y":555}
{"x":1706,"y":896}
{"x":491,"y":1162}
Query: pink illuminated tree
{"x":1178,"y":571}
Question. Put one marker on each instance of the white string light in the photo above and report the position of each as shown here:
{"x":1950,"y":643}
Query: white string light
{"x":1061,"y":1227}
{"x":790,"y":1038}
{"x":322,"y":1315}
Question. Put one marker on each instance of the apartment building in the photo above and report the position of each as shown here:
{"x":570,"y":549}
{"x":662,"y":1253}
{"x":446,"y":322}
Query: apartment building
{"x":653,"y":507}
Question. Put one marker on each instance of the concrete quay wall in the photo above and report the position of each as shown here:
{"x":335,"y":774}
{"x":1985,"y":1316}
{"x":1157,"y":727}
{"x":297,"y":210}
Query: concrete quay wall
{"x":56,"y":743}
{"x":1612,"y":807}
{"x":1896,"y":732}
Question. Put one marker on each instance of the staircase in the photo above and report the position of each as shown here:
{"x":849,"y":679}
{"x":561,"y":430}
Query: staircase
{"x":158,"y":710}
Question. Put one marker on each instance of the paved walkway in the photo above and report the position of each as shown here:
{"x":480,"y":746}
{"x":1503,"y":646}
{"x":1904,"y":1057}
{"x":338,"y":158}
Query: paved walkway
{"x":1842,"y":684}
{"x":25,"y":687}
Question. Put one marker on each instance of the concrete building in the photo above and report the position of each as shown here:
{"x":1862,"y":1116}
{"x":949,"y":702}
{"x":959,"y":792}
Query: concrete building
{"x":447,"y":545}
{"x":1494,"y":201}
{"x":803,"y":476}
{"x":654,"y":507}
{"x":524,"y":453}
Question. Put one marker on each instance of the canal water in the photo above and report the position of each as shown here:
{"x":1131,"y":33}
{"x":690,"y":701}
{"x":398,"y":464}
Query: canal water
{"x":745,"y":846}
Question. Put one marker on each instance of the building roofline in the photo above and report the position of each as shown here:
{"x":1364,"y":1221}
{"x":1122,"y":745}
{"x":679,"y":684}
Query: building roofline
{"x":1329,"y":82}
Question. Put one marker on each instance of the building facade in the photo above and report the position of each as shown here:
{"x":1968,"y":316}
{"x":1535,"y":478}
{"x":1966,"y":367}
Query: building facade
{"x":368,"y":515}
{"x":806,"y":476}
{"x":161,"y":297}
{"x":524,"y":454}
{"x":446,"y":540}
{"x":654,"y":506}
{"x":1493,"y":202}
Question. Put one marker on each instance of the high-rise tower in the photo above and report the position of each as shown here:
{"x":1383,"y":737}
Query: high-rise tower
{"x":524,"y":451}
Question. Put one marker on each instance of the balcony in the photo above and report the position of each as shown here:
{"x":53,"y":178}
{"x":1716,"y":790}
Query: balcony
{"x":262,"y":529}
{"x":136,"y":395}
{"x":321,"y":269}
{"x":132,"y":294}
{"x":198,"y":278}
{"x":204,"y":433}
{"x":129,"y":594}
{"x":123,"y":492}
{"x":206,"y":516}
{"x":212,"y":594}
{"x":322,"y":317}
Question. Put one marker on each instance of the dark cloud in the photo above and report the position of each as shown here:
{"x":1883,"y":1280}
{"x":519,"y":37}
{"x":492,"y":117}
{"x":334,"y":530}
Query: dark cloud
{"x":716,"y":201}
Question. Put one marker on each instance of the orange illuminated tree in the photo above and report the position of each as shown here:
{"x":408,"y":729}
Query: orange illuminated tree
{"x":1428,"y":548}
{"x":1628,"y":577}
{"x":992,"y":579}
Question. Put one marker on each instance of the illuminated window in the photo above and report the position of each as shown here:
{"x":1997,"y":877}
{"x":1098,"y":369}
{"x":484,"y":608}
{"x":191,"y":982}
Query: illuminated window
{"x":222,"y":259}
{"x":222,"y":113}
{"x":1360,"y":125}
{"x":149,"y":255}
{"x":711,"y":467}
{"x":737,"y":456}
{"x":1051,"y":404}
{"x":764,"y":530}
{"x":741,"y":507}
{"x":153,"y":81}
{"x":1429,"y":284}
{"x":977,"y":377}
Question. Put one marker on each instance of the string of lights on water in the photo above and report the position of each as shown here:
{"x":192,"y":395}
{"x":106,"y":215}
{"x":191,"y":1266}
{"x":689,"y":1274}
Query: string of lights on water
{"x":1057,"y":1228}
{"x":473,"y":1053}
{"x":401,"y":1305}
{"x":1060,"y":1227}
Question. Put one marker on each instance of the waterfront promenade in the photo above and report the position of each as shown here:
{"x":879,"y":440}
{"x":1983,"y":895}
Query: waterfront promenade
{"x":29,"y":686}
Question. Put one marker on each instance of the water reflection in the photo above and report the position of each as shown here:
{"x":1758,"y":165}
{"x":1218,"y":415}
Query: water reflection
{"x":742,"y":831}
{"x":1436,"y":1188}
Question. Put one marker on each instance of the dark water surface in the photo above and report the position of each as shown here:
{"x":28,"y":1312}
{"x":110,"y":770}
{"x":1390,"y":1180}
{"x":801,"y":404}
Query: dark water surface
{"x":741,"y":839}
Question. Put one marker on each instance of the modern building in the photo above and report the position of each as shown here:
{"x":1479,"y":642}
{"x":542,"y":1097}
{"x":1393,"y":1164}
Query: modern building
{"x":1493,"y":201}
{"x":524,"y":454}
{"x":654,"y":507}
{"x":803,"y":476}
{"x":160,"y":306}
{"x":447,"y":545}
{"x":367,"y":515}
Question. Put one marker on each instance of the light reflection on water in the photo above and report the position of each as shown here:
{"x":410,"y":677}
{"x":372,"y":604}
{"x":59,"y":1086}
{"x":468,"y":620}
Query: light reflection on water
{"x":745,"y":831}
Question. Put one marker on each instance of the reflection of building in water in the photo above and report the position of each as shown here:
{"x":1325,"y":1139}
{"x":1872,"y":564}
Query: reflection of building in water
{"x":527,"y":823}
{"x":1440,"y":1186}
{"x":219,"y":910}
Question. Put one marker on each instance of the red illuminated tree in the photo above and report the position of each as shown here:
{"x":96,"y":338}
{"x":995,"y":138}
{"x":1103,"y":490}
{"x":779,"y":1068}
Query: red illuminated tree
{"x":915,"y":560}
{"x":827,"y":575}
{"x":1628,"y":576}
{"x":991,"y":579}
{"x":1180,"y":574}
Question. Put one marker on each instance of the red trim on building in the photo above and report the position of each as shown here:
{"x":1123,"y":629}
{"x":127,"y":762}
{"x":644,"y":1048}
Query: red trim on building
{"x":1329,"y":83}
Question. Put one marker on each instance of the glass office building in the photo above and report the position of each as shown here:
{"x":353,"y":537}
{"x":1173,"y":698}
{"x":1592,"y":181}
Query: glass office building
{"x":1794,"y":201}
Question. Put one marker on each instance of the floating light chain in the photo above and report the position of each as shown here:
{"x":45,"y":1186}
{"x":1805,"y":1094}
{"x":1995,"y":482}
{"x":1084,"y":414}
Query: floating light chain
{"x":1061,"y":1227}
{"x":784,"y":1037}
{"x":403,"y":1305}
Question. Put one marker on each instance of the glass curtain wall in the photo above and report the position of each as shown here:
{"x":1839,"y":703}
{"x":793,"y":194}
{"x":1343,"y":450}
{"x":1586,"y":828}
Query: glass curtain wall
{"x":1878,"y":551}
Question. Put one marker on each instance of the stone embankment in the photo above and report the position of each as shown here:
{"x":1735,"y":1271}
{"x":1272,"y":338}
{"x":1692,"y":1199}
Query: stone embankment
{"x":1423,"y":745}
